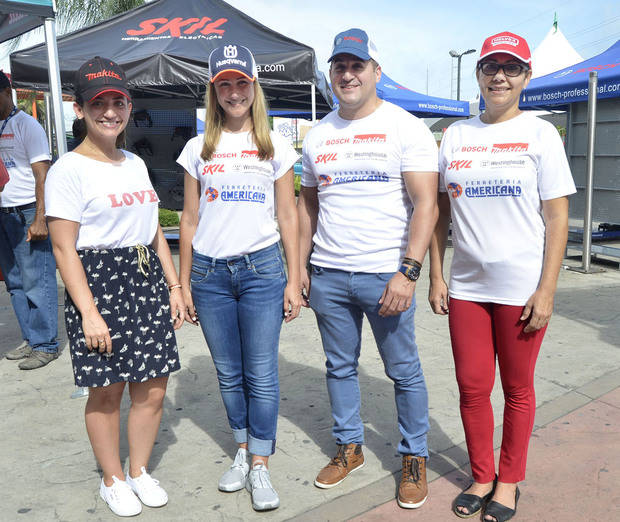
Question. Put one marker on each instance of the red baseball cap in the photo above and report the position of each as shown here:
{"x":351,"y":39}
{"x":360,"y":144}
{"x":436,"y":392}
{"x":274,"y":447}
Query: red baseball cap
{"x":508,"y":43}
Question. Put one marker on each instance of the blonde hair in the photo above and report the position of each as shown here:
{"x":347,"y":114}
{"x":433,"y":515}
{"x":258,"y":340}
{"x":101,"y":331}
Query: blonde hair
{"x":215,"y":118}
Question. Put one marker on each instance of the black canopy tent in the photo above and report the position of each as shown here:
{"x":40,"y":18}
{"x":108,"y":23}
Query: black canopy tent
{"x":164,"y":45}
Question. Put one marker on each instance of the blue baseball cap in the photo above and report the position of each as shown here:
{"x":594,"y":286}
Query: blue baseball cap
{"x":232,"y":58}
{"x":356,"y":42}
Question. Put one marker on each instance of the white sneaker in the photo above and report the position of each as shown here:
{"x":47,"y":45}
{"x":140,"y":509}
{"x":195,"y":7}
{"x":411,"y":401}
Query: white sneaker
{"x":259,"y":485}
{"x":234,"y":478}
{"x":148,"y":489}
{"x":120,"y":498}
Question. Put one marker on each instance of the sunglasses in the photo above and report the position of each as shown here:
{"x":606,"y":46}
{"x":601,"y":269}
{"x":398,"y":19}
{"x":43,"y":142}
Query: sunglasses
{"x":510,"y":69}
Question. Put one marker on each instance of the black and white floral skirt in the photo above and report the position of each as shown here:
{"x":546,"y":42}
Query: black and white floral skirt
{"x":130,"y":292}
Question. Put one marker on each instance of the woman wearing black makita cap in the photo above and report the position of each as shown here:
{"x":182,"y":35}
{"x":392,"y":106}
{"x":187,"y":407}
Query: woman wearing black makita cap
{"x":115,"y":263}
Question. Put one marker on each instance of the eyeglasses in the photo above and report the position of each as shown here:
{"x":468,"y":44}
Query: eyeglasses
{"x":510,"y":69}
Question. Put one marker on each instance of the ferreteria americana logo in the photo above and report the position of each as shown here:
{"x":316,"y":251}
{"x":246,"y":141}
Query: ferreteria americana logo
{"x":184,"y":28}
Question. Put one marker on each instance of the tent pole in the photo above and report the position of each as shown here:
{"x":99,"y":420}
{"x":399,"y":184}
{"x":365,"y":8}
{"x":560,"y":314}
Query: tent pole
{"x":587,"y":220}
{"x":313,"y":93}
{"x":48,"y":119}
{"x":55,"y":89}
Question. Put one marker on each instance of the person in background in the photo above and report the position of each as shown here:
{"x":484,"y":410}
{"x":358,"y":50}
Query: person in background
{"x":368,"y":203}
{"x":231,"y":270}
{"x":123,"y":296}
{"x":26,"y":259}
{"x":504,"y":181}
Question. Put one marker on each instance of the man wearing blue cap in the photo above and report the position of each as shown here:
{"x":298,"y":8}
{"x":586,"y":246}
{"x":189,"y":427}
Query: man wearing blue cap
{"x":366,"y":166}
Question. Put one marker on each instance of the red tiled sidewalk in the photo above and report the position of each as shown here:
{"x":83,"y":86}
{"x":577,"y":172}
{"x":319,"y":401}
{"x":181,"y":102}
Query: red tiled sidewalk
{"x":573,"y":473}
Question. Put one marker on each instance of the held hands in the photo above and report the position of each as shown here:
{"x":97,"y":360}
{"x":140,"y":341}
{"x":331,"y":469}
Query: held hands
{"x":293,"y":301}
{"x":397,"y":295}
{"x":177,"y":308}
{"x":538,"y":309}
{"x":96,"y":332}
{"x":188,"y":306}
{"x":37,"y":230}
{"x":438,"y":297}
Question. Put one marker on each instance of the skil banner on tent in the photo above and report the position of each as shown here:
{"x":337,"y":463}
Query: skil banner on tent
{"x":18,"y":17}
{"x":184,"y":28}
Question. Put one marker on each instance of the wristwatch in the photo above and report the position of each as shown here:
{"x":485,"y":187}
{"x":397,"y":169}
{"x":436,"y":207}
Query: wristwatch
{"x":411,"y":272}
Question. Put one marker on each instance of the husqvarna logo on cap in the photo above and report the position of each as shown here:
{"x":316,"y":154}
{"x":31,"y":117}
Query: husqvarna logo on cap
{"x":230,"y":51}
{"x":232,"y":57}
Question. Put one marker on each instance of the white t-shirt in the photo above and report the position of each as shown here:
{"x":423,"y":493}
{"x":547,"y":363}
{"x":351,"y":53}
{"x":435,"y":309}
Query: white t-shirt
{"x":115,"y":204}
{"x":236,"y":214}
{"x":496,"y":176}
{"x":22,"y":143}
{"x":357,"y":166}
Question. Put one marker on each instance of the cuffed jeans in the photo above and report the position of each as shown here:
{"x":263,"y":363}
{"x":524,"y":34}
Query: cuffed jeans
{"x":239,"y":302}
{"x":340,"y":300}
{"x":29,"y":271}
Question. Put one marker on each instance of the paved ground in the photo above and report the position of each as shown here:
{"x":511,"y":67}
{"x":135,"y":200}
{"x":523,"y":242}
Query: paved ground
{"x":50,"y":473}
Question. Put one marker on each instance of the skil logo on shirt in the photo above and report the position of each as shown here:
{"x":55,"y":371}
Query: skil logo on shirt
{"x":211,"y":194}
{"x":128,"y":199}
{"x":324,"y":158}
{"x":455,"y":190}
{"x":369,"y":138}
{"x":249,"y":154}
{"x":460,"y":164}
{"x":509,"y":147}
{"x":212,"y":168}
{"x":179,"y":28}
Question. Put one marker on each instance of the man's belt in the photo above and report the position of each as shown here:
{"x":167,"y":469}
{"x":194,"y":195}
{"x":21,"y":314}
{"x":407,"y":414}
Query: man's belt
{"x":14,"y":210}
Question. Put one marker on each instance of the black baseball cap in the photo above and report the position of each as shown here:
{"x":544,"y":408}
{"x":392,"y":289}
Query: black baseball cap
{"x":100,"y":75}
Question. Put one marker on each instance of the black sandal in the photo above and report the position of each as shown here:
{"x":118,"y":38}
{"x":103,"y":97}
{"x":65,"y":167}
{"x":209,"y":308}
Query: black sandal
{"x":500,"y":512}
{"x":472,"y":503}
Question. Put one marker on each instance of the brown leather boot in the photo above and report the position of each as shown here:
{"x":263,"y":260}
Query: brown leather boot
{"x":413,"y":489}
{"x":348,"y":459}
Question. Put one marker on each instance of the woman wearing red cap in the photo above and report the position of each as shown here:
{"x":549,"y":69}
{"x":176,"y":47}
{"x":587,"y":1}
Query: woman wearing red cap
{"x":103,"y":221}
{"x":237,"y":174}
{"x":504,"y":181}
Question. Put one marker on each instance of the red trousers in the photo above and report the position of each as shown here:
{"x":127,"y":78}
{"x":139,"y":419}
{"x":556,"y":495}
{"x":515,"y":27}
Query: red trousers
{"x":480,"y":334}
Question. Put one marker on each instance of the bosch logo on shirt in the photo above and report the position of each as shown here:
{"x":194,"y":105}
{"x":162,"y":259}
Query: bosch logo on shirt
{"x":212,"y":168}
{"x":509,"y":147}
{"x":473,"y":148}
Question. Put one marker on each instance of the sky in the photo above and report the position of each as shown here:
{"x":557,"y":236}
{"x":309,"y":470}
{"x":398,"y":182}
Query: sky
{"x":414,"y":38}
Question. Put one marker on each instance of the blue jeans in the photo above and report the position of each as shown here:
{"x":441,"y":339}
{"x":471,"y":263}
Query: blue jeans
{"x":29,"y":271}
{"x":340,"y":300}
{"x":239,"y":302}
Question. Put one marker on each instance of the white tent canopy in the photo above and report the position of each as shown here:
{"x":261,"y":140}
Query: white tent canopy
{"x":553,"y":53}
